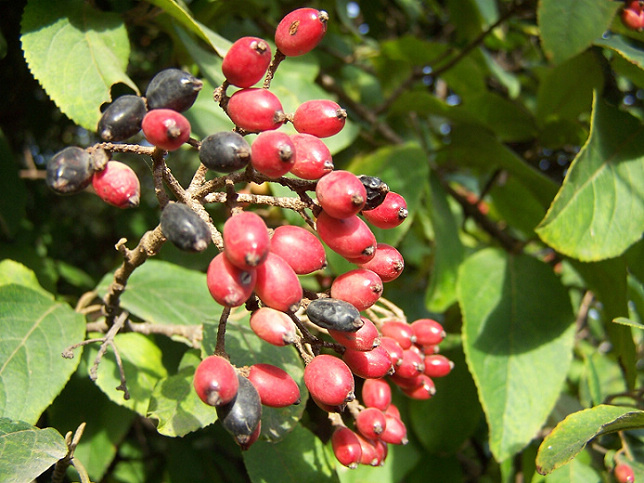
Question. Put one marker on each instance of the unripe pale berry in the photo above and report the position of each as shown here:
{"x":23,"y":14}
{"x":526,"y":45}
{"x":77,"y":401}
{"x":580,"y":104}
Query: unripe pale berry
{"x":166,"y":129}
{"x":117,"y":185}
{"x":338,"y":315}
{"x":69,"y":171}
{"x":364,"y":339}
{"x":273,"y":153}
{"x":229,"y":286}
{"x":255,"y":109}
{"x":172,"y":89}
{"x":224,"y":152}
{"x":350,"y":237}
{"x":215,"y":381}
{"x":321,"y":118}
{"x":376,"y":393}
{"x":277,"y":284}
{"x":346,"y":447}
{"x":312,"y":157}
{"x":389,"y":214}
{"x":122,"y":119}
{"x":360,"y":287}
{"x":246,"y":240}
{"x":341,"y":194}
{"x":300,"y":248}
{"x":300,"y":31}
{"x":427,"y":332}
{"x":242,"y":415}
{"x":246,"y":61}
{"x":275,"y":387}
{"x":388,"y":263}
{"x":184,"y":228}
{"x":329,"y":380}
{"x":399,"y":330}
{"x":371,"y":364}
{"x":273,"y":326}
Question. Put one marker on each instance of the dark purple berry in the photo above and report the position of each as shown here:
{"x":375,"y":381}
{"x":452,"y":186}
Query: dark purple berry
{"x":242,"y":416}
{"x":69,"y":171}
{"x":122,"y":119}
{"x":224,"y":152}
{"x":334,"y":314}
{"x":184,"y":228}
{"x":376,"y":191}
{"x":173,"y":89}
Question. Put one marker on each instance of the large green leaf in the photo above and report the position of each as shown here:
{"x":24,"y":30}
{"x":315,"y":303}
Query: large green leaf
{"x":35,"y":331}
{"x":572,"y":434}
{"x":599,"y":210}
{"x":624,"y":47}
{"x":26,"y":451}
{"x":568,"y":27}
{"x":517,"y":333}
{"x":165,"y":293}
{"x":77,"y":53}
{"x":299,"y":458}
{"x":12,"y":272}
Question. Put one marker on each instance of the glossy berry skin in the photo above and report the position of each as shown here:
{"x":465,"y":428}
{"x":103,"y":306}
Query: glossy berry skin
{"x":360,"y":287}
{"x":340,"y":194}
{"x":388,"y":263}
{"x":242,"y":415}
{"x":224,"y":152}
{"x":329,"y":380}
{"x":371,"y":364}
{"x":253,"y":437}
{"x":300,"y":31}
{"x":166,"y":129}
{"x":273,"y":153}
{"x":246,"y":61}
{"x":393,"y":348}
{"x":277,"y":284}
{"x":389,"y":214}
{"x":312,"y":157}
{"x":371,"y":422}
{"x":246,"y":240}
{"x":215,"y":381}
{"x":412,"y":364}
{"x":273,"y":326}
{"x":365,"y":338}
{"x":395,"y":431}
{"x":122,"y":119}
{"x":184,"y":228}
{"x":350,"y":237}
{"x":69,"y":171}
{"x":633,"y":15}
{"x":346,"y":447}
{"x":338,"y":315}
{"x":399,"y":330}
{"x":255,"y":109}
{"x":117,"y":185}
{"x":422,"y":388}
{"x":624,"y":473}
{"x":437,"y":365}
{"x":321,"y":118}
{"x":376,"y":393}
{"x":376,"y":191}
{"x":370,"y":454}
{"x":172,"y":89}
{"x":300,"y":248}
{"x":275,"y":387}
{"x":229,"y":286}
{"x":427,"y":332}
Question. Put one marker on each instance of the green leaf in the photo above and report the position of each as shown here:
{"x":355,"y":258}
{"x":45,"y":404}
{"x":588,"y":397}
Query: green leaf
{"x":623,"y":47}
{"x":628,"y":322}
{"x":142,"y":366}
{"x":26,"y":451}
{"x":568,"y":27}
{"x":299,"y":458}
{"x":599,"y":210}
{"x":165,"y":293}
{"x":575,"y":472}
{"x":35,"y":331}
{"x":514,"y":341}
{"x":572,"y":434}
{"x":400,"y":461}
{"x":518,"y":207}
{"x":12,"y":272}
{"x":77,"y":53}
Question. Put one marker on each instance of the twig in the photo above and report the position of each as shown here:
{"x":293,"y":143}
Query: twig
{"x":270,"y":73}
{"x":63,"y":463}
{"x":220,"y":348}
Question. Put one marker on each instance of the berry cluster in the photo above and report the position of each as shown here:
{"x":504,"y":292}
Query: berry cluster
{"x":344,"y":331}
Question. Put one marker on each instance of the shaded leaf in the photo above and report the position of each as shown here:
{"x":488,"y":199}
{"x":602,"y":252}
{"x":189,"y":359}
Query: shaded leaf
{"x":400,"y":461}
{"x":513,"y":342}
{"x":35,"y":331}
{"x":77,"y":53}
{"x":572,"y":434}
{"x":26,"y":451}
{"x":623,"y":47}
{"x":599,"y":210}
{"x":628,"y":322}
{"x":14,"y":193}
{"x":12,"y":272}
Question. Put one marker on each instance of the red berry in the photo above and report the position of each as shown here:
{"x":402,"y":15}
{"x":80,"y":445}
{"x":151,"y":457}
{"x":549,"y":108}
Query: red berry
{"x":381,"y":451}
{"x":300,"y":31}
{"x":399,"y":330}
{"x":273,"y":153}
{"x":321,"y":118}
{"x":360,"y":287}
{"x":312,"y":157}
{"x":273,"y":326}
{"x":393,"y":411}
{"x":346,"y":447}
{"x":411,"y":365}
{"x":390,"y":213}
{"x":70,"y":171}
{"x":364,"y":339}
{"x":437,"y":365}
{"x":166,"y":129}
{"x":388,"y":263}
{"x":300,"y":248}
{"x":350,"y":237}
{"x":277,"y":284}
{"x":215,"y":381}
{"x":633,"y":15}
{"x":246,"y":61}
{"x":117,"y":185}
{"x":255,"y":109}
{"x":275,"y":387}
{"x":624,"y":473}
{"x":395,"y":431}
{"x":371,"y":422}
{"x":246,"y":240}
{"x":422,"y":388}
{"x":371,"y":364}
{"x":376,"y":393}
{"x":229,"y":286}
{"x":428,"y":332}
{"x":341,"y":194}
{"x":370,"y":454}
{"x":253,"y":437}
{"x":393,"y":348}
{"x":329,"y":380}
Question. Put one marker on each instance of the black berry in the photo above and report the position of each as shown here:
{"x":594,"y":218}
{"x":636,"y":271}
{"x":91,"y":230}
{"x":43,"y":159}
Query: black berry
{"x":184,"y":228}
{"x":224,"y":152}
{"x":173,"y":89}
{"x":69,"y":171}
{"x":330,"y":313}
{"x":242,"y":416}
{"x":376,"y":191}
{"x":122,"y":119}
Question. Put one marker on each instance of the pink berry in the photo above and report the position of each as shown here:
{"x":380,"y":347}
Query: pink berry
{"x":273,"y":326}
{"x":215,"y":381}
{"x":346,"y":447}
{"x":412,"y":364}
{"x":277,"y":284}
{"x":229,"y":286}
{"x":427,"y":331}
{"x":341,"y":194}
{"x":399,"y":330}
{"x":117,"y":185}
{"x":388,"y":263}
{"x":633,"y":15}
{"x":389,"y":214}
{"x":246,"y":61}
{"x":371,"y":364}
{"x":365,"y":338}
{"x":370,"y":454}
{"x":395,"y":431}
{"x":300,"y":248}
{"x":360,"y":287}
{"x":376,"y":393}
{"x":329,"y":380}
{"x":312,"y":157}
{"x":273,"y":153}
{"x":166,"y":129}
{"x":371,"y":422}
{"x":437,"y":365}
{"x":349,"y":237}
{"x":321,"y":118}
{"x":300,"y":31}
{"x":393,"y":348}
{"x":246,"y":240}
{"x":422,"y":388}
{"x":275,"y":387}
{"x":624,"y":473}
{"x":255,"y":109}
